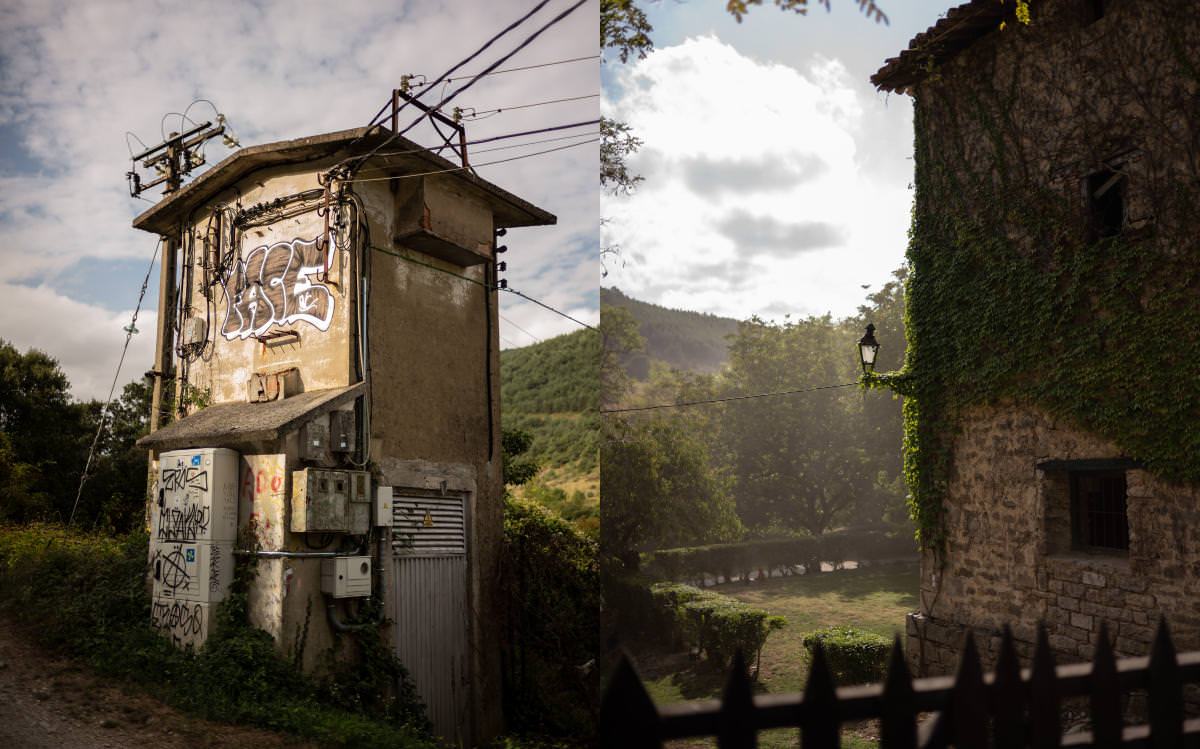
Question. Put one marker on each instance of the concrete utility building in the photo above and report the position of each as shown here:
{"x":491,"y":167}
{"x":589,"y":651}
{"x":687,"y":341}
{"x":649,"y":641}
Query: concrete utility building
{"x":329,"y":322}
{"x":1054,"y":302}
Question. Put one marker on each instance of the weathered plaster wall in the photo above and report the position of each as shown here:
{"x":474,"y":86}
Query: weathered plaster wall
{"x":431,"y":340}
{"x":1009,"y":560}
{"x":235,"y":310}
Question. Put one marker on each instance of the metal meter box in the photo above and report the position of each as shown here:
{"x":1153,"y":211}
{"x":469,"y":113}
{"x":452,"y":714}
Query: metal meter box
{"x":192,"y":571}
{"x":329,"y":501}
{"x":314,"y":441}
{"x":320,"y":501}
{"x":196,"y":497}
{"x":346,"y":577}
{"x":342,"y":432}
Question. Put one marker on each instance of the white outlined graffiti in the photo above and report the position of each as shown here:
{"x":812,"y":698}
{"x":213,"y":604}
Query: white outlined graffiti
{"x":276,"y":285}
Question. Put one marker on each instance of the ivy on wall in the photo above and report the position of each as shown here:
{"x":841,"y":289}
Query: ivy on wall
{"x":1010,"y":301}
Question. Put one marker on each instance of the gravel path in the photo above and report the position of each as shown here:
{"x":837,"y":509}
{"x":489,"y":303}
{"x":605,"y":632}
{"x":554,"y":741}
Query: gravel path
{"x":49,"y":702}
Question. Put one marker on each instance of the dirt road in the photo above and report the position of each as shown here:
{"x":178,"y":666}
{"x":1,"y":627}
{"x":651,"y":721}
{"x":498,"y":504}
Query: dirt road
{"x":48,"y":702}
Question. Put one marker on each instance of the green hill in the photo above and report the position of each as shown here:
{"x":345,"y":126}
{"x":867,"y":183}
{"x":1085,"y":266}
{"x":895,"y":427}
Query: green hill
{"x":551,"y":390}
{"x":690,"y":341}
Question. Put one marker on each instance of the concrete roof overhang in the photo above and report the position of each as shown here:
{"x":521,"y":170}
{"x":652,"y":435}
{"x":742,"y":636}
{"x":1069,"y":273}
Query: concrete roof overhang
{"x":395,"y":154}
{"x":240,"y":424}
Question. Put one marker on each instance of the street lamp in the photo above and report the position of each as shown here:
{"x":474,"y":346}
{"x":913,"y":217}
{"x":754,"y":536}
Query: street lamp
{"x":868,"y":347}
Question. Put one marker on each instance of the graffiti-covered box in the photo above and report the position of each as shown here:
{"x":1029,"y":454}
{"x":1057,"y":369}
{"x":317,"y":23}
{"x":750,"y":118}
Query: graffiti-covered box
{"x":186,"y":623}
{"x":192,"y":570}
{"x":196,"y":496}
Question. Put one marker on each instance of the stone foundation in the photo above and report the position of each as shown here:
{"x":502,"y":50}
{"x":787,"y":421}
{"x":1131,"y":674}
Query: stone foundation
{"x":1011,"y":558}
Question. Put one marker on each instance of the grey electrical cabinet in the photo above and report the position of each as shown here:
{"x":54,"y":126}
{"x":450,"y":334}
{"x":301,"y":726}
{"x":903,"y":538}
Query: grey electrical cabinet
{"x":331,"y":501}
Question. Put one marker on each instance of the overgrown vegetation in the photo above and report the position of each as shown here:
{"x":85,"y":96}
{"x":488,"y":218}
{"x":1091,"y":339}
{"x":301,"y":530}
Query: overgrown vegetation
{"x":551,"y":593}
{"x":86,"y":594}
{"x":1016,"y":295}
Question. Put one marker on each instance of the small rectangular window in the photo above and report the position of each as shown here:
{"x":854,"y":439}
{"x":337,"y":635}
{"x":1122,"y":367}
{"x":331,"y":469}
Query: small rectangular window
{"x":1104,"y":199}
{"x":1099,"y":519}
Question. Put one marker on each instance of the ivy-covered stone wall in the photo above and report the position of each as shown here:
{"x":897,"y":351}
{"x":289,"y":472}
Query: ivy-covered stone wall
{"x":1055,"y":288}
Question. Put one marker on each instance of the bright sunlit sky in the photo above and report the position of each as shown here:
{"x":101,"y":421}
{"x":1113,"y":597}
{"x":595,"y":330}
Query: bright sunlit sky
{"x":777,"y":180}
{"x":75,"y":76}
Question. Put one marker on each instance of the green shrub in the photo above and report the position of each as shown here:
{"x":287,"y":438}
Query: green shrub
{"x":854,"y":656}
{"x":714,"y":624}
{"x":550,"y":586}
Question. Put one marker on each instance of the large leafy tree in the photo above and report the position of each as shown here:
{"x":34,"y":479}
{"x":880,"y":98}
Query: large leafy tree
{"x":658,"y":489}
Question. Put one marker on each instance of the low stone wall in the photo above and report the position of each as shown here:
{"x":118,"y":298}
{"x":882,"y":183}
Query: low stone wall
{"x":1010,"y":559}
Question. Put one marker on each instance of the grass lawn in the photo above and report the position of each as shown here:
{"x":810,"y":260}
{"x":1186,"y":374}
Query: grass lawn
{"x":874,"y":599}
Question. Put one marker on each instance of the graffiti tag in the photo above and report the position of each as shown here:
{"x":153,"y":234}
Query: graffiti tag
{"x":180,"y":479}
{"x":276,"y":285}
{"x":182,"y":524}
{"x":182,"y":621}
{"x":171,"y":568}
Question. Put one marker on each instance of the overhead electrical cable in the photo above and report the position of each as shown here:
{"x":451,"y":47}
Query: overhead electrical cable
{"x":465,"y":168}
{"x":726,"y":400}
{"x":375,"y":120}
{"x":535,"y":104}
{"x":475,"y":79}
{"x":129,"y":331}
{"x":529,"y":67}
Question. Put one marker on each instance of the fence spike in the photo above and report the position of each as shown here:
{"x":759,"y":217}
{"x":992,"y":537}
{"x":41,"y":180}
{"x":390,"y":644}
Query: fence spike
{"x":736,"y":725}
{"x":1045,"y":717}
{"x":1106,"y":694}
{"x":899,"y":708}
{"x":1166,"y":692}
{"x":1009,"y":724}
{"x":968,"y":701}
{"x":819,"y":721}
{"x":628,"y":717}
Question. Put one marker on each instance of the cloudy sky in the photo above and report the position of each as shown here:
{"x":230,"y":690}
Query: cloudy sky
{"x":777,"y":180}
{"x":75,"y":76}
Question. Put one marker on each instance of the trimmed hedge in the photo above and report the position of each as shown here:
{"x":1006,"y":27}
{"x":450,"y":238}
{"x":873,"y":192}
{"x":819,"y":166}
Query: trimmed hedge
{"x":714,"y":624}
{"x":854,"y":656}
{"x":731,"y":560}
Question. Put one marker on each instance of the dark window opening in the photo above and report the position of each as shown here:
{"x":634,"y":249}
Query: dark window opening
{"x":1105,"y":196}
{"x":1099,"y":520}
{"x":1093,"y":10}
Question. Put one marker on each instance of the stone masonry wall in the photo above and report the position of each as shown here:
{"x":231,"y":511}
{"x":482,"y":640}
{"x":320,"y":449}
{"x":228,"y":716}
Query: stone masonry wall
{"x":1009,"y":559}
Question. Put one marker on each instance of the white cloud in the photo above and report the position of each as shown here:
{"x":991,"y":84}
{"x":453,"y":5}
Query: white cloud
{"x":85,"y":339}
{"x":75,"y":76}
{"x":791,"y":221}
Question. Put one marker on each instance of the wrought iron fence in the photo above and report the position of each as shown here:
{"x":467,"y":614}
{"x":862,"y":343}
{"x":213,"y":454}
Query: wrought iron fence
{"x":1008,"y":708}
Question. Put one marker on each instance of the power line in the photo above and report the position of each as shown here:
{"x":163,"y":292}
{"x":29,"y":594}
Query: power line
{"x":472,"y":166}
{"x":528,"y":40}
{"x":488,"y":286}
{"x":726,"y":400}
{"x":529,"y":67}
{"x":129,"y":331}
{"x":535,"y":104}
{"x":523,"y":330}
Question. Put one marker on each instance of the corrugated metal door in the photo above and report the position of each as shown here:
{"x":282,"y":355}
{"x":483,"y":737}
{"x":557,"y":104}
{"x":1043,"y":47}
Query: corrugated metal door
{"x":429,"y":606}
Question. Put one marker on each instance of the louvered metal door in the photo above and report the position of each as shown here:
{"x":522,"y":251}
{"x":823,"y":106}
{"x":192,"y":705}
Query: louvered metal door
{"x":429,"y":605}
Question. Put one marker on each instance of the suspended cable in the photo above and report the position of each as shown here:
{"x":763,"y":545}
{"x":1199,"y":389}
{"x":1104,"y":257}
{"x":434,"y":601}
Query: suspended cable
{"x":488,"y":286}
{"x":726,"y":400}
{"x":529,"y":67}
{"x":472,"y":166}
{"x":535,"y":104}
{"x":129,"y":331}
{"x":523,"y":330}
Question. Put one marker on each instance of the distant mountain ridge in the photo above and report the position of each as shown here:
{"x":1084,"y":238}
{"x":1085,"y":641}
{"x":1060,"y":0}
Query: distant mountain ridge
{"x":685,"y":340}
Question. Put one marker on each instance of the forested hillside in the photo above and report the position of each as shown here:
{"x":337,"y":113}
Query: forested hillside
{"x":551,"y":390}
{"x":689,"y":341}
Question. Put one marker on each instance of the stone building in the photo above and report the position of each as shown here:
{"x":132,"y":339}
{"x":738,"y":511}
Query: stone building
{"x":330,"y":323}
{"x":1052,"y":395}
